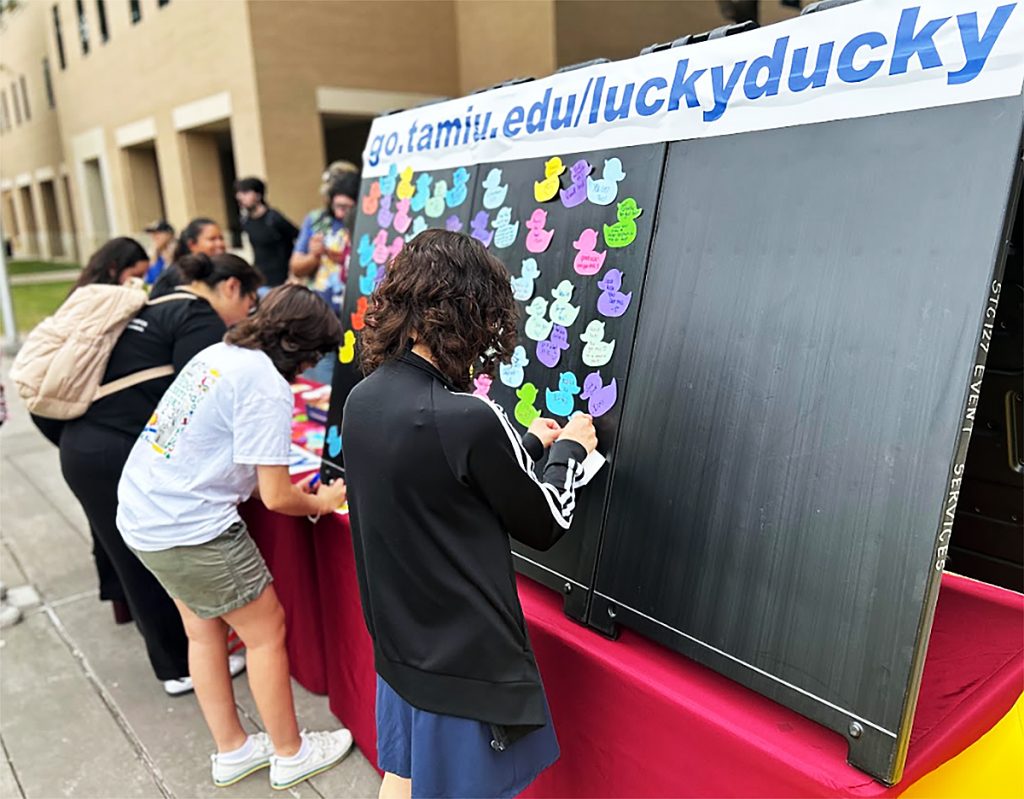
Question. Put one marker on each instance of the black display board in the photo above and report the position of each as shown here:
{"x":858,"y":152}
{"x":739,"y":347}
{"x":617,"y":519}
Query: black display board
{"x":391,"y":210}
{"x":574,"y":231}
{"x":808,"y":357}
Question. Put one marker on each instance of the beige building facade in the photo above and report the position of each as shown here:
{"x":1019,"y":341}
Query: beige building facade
{"x":115,"y":113}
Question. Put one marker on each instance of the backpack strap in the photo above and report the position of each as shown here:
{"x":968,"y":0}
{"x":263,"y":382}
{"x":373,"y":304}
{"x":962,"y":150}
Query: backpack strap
{"x":180,"y":294}
{"x":133,"y":379}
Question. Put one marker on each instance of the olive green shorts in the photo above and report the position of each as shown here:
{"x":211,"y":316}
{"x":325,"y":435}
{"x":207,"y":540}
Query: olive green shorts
{"x":214,"y":578}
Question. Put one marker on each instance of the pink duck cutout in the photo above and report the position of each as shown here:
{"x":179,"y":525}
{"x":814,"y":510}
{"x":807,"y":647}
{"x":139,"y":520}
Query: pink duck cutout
{"x":549,"y":351}
{"x":405,"y":190}
{"x":483,"y":386}
{"x":612,"y":302}
{"x":576,"y":194}
{"x":372,"y":199}
{"x":479,"y":228}
{"x":402,"y":218}
{"x":396,"y":247}
{"x":604,"y":190}
{"x":598,"y":351}
{"x":563,"y":312}
{"x":385,"y":215}
{"x":380,"y":248}
{"x":538,"y":239}
{"x":587,"y":261}
{"x":600,"y":398}
{"x":522,"y":286}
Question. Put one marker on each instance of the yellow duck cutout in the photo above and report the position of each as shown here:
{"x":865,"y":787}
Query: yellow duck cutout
{"x":347,"y":350}
{"x":544,"y":190}
{"x":405,"y":189}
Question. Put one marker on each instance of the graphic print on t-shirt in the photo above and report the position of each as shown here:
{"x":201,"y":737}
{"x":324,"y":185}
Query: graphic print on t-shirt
{"x":172,"y":415}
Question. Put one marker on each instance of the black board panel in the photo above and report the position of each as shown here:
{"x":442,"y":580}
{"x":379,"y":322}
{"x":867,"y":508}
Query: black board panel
{"x":809,"y":330}
{"x":391,"y":209}
{"x":621,"y":181}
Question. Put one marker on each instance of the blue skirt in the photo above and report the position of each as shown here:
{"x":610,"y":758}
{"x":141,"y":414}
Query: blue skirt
{"x":447,"y":756}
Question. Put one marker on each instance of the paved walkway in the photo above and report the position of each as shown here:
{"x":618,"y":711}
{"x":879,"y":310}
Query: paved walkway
{"x":34,"y":278}
{"x":81,"y":714}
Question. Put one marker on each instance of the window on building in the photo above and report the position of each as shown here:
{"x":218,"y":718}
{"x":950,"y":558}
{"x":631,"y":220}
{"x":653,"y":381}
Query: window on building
{"x":83,"y":26}
{"x":135,"y":8}
{"x":101,"y":12}
{"x":48,"y":83}
{"x":24,"y":98}
{"x":5,"y":113}
{"x":14,"y":102}
{"x":59,"y":38}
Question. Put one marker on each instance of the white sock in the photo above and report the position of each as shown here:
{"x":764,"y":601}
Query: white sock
{"x":244,"y":752}
{"x":298,"y":757}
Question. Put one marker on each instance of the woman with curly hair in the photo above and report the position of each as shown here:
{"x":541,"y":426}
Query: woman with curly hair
{"x":223,"y":429}
{"x":438,"y":480}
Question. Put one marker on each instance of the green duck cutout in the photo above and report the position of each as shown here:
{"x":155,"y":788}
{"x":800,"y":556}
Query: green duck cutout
{"x":525,"y":411}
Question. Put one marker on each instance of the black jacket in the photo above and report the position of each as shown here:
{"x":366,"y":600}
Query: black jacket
{"x":437,"y":482}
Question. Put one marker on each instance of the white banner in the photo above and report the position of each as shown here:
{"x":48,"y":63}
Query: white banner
{"x":868,"y":58}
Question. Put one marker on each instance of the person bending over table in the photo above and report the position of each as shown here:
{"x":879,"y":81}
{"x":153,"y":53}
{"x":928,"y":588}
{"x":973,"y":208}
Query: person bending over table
{"x":438,"y":479}
{"x":223,"y":429}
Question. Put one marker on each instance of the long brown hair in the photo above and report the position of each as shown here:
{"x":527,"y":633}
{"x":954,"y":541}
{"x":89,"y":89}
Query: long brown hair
{"x":448,"y":292}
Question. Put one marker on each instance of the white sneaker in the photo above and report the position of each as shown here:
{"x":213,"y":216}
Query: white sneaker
{"x":326,"y":749}
{"x":9,"y":615}
{"x":236,"y":665}
{"x":225,"y":774}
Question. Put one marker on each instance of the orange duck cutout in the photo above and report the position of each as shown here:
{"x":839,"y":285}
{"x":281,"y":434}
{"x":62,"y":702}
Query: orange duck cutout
{"x":372,"y":199}
{"x":538,"y":239}
{"x":544,"y":190}
{"x":359,"y":315}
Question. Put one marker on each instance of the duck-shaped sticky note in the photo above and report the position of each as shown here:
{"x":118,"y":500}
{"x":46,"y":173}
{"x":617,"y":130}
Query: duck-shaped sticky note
{"x":494,"y":192}
{"x":402,"y":219}
{"x":538,"y":239}
{"x":522,"y":286}
{"x":587,"y":261}
{"x":347,"y":350}
{"x":333,"y":441}
{"x":457,"y":195}
{"x":511,"y":374}
{"x":389,"y":181}
{"x":537,"y":326}
{"x":525,"y":412}
{"x":600,"y":398}
{"x":368,"y":280}
{"x":371,"y":200}
{"x":405,"y":190}
{"x":563,"y":312}
{"x":365,"y":250}
{"x":598,"y":351}
{"x":505,"y":231}
{"x":550,"y":350}
{"x":419,"y":224}
{"x":483,"y":386}
{"x":623,"y":232}
{"x":560,"y":402}
{"x":612,"y":302}
{"x":479,"y":228}
{"x":385,"y":215}
{"x":576,"y":194}
{"x":604,"y":190}
{"x":380,"y":248}
{"x":544,"y":190}
{"x":359,"y":315}
{"x":435,"y":205}
{"x":396,"y":247}
{"x":419,"y":199}
{"x":453,"y":224}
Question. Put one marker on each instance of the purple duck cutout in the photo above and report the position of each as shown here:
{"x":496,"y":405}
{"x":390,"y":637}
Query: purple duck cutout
{"x":600,"y":398}
{"x":612,"y":302}
{"x":480,"y":228}
{"x":453,"y":224}
{"x":576,"y":194}
{"x":385,"y":215}
{"x":550,"y":351}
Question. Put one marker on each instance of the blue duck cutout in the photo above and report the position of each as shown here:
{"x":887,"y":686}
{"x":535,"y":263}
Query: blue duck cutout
{"x":495,"y":193}
{"x":560,"y":402}
{"x":563,"y":312}
{"x":537,"y":327}
{"x":435,"y":205}
{"x":505,"y":231}
{"x":604,"y":190}
{"x":365,"y":250}
{"x":333,"y":441}
{"x":598,"y":351}
{"x":511,"y":374}
{"x":457,"y":195}
{"x":419,"y":224}
{"x":388,"y":182}
{"x":368,"y":281}
{"x":522,"y":287}
{"x":419,"y":199}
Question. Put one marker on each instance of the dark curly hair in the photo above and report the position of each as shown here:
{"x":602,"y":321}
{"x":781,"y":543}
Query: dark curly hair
{"x":293,"y":326}
{"x":448,"y":292}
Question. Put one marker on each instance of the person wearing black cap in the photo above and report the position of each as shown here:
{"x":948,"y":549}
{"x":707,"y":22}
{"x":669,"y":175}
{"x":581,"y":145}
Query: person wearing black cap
{"x":270,"y":232}
{"x":162,"y":235}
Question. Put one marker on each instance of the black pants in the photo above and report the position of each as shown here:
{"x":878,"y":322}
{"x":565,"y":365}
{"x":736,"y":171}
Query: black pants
{"x":92,"y":459}
{"x":110,"y":585}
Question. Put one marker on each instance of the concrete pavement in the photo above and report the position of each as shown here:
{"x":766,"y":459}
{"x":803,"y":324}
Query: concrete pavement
{"x":81,"y":714}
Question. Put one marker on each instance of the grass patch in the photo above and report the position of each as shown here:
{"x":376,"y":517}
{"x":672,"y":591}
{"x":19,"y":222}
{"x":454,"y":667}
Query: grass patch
{"x":32,"y":304}
{"x":32,"y":267}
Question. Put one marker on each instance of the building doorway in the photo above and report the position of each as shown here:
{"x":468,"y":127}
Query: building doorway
{"x":210,"y":164}
{"x":30,"y":226}
{"x":145,"y":189}
{"x":344,"y":137}
{"x":71,"y":236}
{"x":51,"y":233}
{"x":96,"y":203}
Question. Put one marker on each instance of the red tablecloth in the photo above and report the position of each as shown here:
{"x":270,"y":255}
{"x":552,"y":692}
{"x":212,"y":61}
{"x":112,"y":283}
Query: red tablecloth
{"x":635,"y":719}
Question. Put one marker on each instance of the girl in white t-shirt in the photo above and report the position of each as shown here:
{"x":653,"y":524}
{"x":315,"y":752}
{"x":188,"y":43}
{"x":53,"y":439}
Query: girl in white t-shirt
{"x":222,"y":431}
